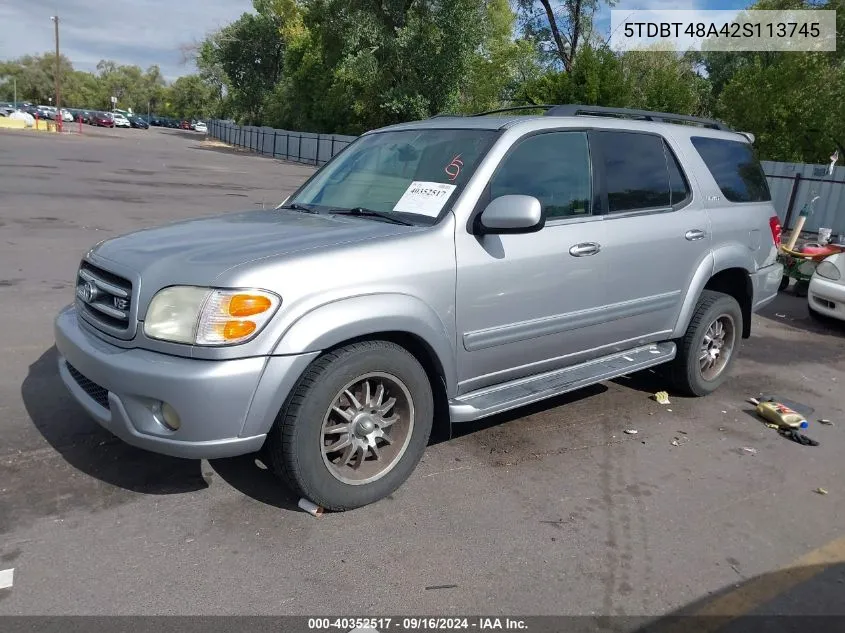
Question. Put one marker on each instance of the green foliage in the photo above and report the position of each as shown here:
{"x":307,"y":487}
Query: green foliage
{"x":346,"y":66}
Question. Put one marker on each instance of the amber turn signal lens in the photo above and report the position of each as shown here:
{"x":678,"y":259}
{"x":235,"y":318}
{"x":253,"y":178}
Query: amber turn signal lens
{"x":244,"y":305}
{"x":237,"y":329}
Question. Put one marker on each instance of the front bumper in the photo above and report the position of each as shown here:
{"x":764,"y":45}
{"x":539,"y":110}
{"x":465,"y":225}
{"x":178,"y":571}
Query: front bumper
{"x":765,"y":283}
{"x":226,"y":407}
{"x":827,"y":297}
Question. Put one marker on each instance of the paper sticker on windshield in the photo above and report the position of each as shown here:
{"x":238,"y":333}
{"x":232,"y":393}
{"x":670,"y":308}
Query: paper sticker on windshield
{"x":424,"y":198}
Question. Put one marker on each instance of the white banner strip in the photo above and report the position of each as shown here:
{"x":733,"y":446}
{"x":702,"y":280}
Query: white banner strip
{"x":711,"y":30}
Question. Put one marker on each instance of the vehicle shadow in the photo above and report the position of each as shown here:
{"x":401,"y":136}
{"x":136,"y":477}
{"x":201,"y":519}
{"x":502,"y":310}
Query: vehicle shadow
{"x":91,"y":449}
{"x":246,"y":477}
{"x":792,"y":599}
{"x":467,"y":428}
{"x":189,"y":134}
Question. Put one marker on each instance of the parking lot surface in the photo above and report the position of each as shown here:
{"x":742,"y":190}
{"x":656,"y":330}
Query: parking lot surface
{"x":548,"y":510}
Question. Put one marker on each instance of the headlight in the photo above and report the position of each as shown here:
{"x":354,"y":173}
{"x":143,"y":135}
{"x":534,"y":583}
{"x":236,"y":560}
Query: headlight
{"x":828,"y":270}
{"x":205,"y":316}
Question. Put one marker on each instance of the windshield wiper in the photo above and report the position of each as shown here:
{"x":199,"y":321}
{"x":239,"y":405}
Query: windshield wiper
{"x":370,"y":213}
{"x":294,"y":206}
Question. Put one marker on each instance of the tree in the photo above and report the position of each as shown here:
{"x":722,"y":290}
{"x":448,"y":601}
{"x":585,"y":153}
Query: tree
{"x":244,"y":60}
{"x":190,"y":96}
{"x":35,"y":76}
{"x":360,"y":64}
{"x":793,"y":107}
{"x":499,"y":65}
{"x":559,"y":27}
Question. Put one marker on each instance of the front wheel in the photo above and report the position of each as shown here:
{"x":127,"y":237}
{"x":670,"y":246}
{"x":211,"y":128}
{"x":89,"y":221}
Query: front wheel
{"x":709,"y":347}
{"x":355,"y":425}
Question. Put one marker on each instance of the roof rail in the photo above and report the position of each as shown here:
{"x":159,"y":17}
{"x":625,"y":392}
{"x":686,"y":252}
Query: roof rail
{"x":515,"y":109}
{"x":574,"y":109}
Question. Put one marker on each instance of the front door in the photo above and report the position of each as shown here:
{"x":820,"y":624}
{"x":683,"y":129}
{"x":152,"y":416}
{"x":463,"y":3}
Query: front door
{"x":528,"y":303}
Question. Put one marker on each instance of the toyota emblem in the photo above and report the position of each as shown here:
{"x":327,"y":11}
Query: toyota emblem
{"x":88,"y":291}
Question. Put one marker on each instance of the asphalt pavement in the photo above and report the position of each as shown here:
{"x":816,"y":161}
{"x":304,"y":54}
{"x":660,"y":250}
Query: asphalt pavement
{"x":548,"y":510}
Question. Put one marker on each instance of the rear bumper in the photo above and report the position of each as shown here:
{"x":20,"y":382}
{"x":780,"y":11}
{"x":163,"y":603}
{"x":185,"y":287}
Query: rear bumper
{"x":827,"y":297}
{"x":765,"y":283}
{"x":226,"y":408}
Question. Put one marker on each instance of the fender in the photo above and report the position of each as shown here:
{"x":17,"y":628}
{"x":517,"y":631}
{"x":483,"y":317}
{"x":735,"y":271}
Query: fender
{"x":333,"y":323}
{"x":728,"y":256}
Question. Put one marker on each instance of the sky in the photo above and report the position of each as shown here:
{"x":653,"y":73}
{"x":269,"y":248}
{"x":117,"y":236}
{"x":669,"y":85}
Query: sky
{"x":140,"y":32}
{"x":146,"y":32}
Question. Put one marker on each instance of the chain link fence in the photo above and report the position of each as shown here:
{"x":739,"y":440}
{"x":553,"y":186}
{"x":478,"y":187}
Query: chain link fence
{"x":301,"y":147}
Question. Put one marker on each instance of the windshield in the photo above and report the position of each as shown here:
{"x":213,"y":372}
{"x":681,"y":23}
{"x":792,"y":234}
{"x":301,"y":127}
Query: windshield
{"x":410,"y":173}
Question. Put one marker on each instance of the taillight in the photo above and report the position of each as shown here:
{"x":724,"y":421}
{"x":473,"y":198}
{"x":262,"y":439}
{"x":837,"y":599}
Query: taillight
{"x":774,"y":225}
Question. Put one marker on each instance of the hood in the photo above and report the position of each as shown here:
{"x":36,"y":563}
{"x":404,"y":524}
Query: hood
{"x":198,"y":251}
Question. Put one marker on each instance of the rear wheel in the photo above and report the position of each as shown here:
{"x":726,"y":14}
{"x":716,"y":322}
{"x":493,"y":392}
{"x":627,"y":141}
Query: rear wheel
{"x":784,"y":282}
{"x":709,"y":347}
{"x":355,"y":426}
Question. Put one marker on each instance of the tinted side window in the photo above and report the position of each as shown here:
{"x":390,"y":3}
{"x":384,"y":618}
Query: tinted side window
{"x":735,"y":169}
{"x":552,"y":167}
{"x":635,"y":171}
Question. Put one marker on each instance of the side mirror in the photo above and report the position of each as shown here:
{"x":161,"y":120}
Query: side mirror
{"x":511,"y":214}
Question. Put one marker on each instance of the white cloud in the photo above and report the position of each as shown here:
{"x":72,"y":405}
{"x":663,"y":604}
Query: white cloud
{"x":141,"y":32}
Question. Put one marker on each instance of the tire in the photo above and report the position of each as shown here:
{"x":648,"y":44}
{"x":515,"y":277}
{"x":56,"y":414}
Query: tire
{"x":308,"y":423}
{"x":687,"y":372}
{"x":784,"y":282}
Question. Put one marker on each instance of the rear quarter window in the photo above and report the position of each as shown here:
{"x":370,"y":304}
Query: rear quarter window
{"x":735,"y":169}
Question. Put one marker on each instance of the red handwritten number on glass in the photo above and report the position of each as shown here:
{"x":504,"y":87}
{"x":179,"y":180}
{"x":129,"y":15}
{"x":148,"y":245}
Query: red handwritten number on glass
{"x":453,"y":169}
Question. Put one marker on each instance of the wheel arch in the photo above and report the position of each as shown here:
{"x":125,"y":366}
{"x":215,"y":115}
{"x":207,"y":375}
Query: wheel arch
{"x":725,"y":271}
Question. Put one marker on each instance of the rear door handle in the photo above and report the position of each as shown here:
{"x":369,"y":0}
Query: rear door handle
{"x":695,"y":234}
{"x":584,"y":249}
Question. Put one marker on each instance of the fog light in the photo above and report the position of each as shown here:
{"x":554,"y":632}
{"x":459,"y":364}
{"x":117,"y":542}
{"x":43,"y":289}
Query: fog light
{"x":170,"y":417}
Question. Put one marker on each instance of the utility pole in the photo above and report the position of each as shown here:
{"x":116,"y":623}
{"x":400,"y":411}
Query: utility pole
{"x":55,"y":19}
{"x":15,"y":79}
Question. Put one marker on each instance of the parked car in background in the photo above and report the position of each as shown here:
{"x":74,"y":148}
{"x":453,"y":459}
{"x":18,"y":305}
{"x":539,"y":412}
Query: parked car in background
{"x":826,"y":294}
{"x":102,"y":119}
{"x":138,"y":122}
{"x":186,"y":125}
{"x":201,"y":127}
{"x":120,"y":120}
{"x":67,"y":116}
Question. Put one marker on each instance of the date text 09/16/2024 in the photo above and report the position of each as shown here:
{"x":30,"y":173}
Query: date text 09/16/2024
{"x":416,"y":624}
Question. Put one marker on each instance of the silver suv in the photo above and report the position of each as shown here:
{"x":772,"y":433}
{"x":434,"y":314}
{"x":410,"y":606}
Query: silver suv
{"x":433,"y":272}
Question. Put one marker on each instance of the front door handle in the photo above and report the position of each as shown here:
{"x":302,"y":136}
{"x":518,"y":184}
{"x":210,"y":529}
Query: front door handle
{"x":584,"y":249}
{"x":695,"y":234}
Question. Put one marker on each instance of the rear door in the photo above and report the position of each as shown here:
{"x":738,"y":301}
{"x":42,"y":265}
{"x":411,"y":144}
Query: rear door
{"x":741,"y":208}
{"x":657,"y":233}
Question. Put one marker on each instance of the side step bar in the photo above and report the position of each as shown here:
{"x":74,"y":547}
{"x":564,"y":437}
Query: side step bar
{"x":490,"y":400}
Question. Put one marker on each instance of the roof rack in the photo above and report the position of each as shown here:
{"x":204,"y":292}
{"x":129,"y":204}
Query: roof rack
{"x":647,"y":115}
{"x":515,"y":109}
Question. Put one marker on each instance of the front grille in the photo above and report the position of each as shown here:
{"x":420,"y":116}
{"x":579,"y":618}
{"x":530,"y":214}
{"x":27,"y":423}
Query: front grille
{"x":105,"y":299}
{"x":97,"y":393}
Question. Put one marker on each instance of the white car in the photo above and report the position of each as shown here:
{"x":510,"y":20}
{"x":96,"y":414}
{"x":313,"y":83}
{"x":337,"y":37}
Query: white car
{"x":826,"y":295}
{"x":201,"y":127}
{"x":66,"y":116}
{"x":120,"y":120}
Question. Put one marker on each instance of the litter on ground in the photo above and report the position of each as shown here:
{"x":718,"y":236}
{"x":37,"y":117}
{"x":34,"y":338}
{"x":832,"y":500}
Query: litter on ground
{"x":749,"y":450}
{"x":662,"y":397}
{"x":631,"y":431}
{"x":310,"y":507}
{"x":821,"y":491}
